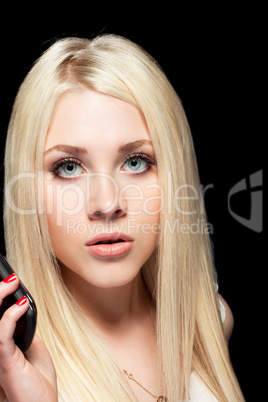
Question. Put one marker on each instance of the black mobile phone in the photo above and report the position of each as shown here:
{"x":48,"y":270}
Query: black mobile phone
{"x":26,"y":325}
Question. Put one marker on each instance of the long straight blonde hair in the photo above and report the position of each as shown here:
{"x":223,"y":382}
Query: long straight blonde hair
{"x":179,"y":274}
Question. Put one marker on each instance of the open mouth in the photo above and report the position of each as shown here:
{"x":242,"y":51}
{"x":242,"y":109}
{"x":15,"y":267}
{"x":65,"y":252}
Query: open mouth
{"x":109,"y":238}
{"x":110,"y":244}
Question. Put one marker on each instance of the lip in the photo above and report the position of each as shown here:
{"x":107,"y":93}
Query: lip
{"x":110,"y":249}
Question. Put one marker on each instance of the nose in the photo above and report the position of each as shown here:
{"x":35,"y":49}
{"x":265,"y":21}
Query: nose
{"x":103,"y":201}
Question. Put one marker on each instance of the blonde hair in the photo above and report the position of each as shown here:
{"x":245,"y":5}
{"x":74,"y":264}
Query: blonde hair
{"x":180,"y":272}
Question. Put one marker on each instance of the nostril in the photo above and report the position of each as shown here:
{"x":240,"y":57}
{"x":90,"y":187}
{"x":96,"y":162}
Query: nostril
{"x":98,"y":213}
{"x":118,"y":213}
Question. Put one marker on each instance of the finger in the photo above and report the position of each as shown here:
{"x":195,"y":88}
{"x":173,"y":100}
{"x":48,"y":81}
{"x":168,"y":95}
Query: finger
{"x":8,"y":325}
{"x":40,"y":358}
{"x":8,"y":286}
{"x":2,"y":395}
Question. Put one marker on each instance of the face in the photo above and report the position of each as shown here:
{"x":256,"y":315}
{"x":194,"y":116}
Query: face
{"x":101,"y":188}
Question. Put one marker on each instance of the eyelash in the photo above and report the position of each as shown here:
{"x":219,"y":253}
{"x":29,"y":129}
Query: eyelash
{"x":150,"y":162}
{"x":55,"y":168}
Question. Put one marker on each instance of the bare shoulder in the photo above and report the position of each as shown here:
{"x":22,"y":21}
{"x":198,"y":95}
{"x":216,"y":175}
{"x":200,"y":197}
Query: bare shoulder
{"x":228,"y":323}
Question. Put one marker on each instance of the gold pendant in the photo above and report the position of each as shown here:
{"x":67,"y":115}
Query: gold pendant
{"x":161,"y":399}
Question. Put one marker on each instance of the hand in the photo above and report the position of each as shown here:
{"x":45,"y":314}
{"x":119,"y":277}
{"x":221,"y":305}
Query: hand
{"x":28,"y":377}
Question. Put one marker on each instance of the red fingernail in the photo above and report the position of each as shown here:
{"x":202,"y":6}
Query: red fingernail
{"x":10,"y":278}
{"x":22,"y":301}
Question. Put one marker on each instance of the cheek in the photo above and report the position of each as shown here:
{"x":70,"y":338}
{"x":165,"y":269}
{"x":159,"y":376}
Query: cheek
{"x":152,"y":203}
{"x":145,"y":225}
{"x":142,"y":201}
{"x":64,"y":208}
{"x":63,"y":201}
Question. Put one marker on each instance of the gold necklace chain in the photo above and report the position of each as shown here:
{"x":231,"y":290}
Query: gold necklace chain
{"x":160,"y":398}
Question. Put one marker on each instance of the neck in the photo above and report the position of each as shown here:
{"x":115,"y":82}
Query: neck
{"x":108,"y":306}
{"x":124,"y":319}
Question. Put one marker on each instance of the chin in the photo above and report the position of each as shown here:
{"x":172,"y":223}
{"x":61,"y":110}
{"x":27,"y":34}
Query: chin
{"x":113,"y":281}
{"x":107,"y":275}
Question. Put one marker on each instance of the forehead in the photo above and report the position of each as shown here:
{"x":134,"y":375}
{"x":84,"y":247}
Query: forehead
{"x":89,"y":116}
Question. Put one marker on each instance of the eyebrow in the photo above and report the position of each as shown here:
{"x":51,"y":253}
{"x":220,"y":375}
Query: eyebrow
{"x":70,"y":149}
{"x":131,"y":146}
{"x":75,"y":150}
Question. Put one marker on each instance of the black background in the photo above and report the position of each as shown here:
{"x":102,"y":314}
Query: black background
{"x":213,"y":58}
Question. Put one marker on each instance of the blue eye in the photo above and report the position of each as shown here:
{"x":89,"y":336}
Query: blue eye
{"x":70,"y":169}
{"x":67,"y":168}
{"x":138,"y":163}
{"x":135,"y":164}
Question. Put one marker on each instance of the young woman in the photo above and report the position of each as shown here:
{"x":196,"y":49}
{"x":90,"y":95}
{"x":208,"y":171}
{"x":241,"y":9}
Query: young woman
{"x":102,"y":202}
